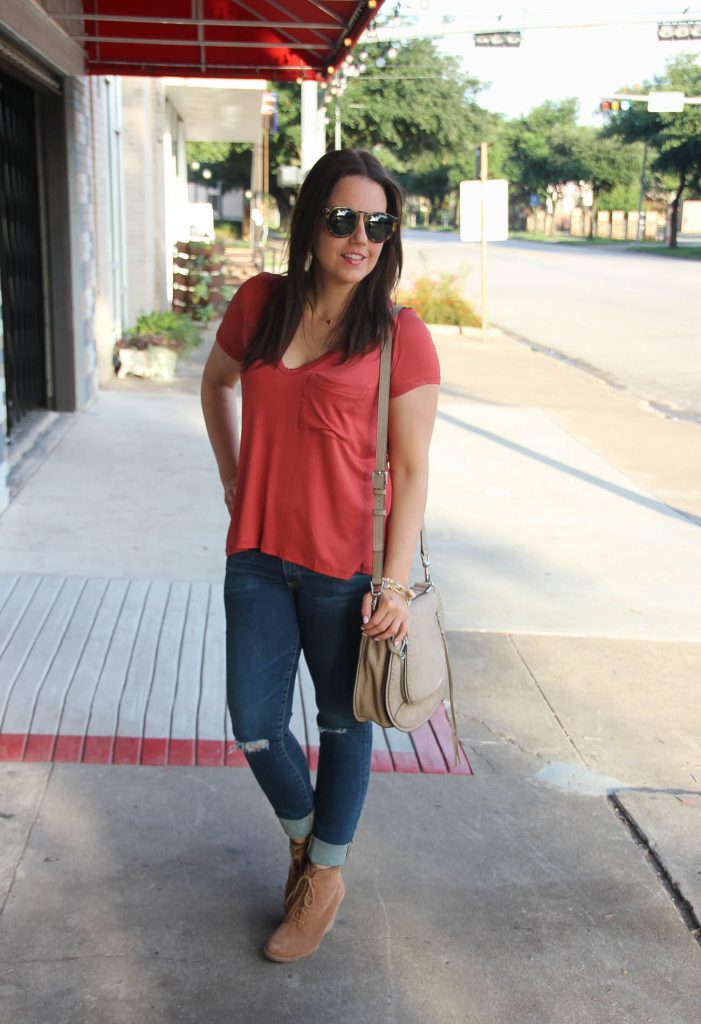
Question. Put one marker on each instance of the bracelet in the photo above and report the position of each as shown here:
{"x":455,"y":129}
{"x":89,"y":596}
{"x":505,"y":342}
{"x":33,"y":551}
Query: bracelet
{"x":406,"y":592}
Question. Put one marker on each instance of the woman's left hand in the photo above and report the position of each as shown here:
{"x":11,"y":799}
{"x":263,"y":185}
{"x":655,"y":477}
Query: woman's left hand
{"x":390,"y":620}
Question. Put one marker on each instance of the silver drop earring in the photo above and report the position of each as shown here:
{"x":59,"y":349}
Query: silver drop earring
{"x":308,"y":261}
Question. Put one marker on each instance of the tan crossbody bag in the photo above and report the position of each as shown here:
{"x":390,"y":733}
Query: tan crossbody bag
{"x":402,"y":686}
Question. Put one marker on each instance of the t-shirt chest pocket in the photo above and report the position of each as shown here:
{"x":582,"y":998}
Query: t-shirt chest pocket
{"x":337,"y":409}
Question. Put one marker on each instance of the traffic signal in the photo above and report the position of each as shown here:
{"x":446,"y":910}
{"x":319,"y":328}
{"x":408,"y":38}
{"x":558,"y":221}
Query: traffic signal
{"x":612,"y":106}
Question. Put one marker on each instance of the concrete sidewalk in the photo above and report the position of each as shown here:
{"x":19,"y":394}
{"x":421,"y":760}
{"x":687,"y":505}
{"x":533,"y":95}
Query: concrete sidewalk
{"x":558,"y":884}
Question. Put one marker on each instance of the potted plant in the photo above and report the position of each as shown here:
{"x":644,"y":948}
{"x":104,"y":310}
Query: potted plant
{"x":150,"y":348}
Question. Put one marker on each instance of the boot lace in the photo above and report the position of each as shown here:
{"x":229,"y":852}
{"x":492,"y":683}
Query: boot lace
{"x":301,"y":897}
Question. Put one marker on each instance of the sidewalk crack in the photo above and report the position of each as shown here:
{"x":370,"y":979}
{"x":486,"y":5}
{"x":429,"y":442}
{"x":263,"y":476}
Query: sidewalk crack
{"x":502,"y":736}
{"x":547,"y":702}
{"x":30,"y":830}
{"x":684,"y":908}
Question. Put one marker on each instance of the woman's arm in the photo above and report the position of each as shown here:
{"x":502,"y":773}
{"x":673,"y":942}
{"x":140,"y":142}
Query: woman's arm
{"x":411,"y":419}
{"x":219,"y":379}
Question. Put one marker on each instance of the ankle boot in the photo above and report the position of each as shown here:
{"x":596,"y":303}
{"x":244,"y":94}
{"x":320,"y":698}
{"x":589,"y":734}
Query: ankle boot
{"x":313,"y":907}
{"x":298,"y":862}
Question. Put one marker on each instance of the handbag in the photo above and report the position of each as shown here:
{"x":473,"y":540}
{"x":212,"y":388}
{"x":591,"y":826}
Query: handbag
{"x":401,"y":686}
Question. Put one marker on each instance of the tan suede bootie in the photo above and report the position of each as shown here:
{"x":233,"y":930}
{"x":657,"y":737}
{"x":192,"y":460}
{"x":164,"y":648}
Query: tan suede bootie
{"x":298,"y":862}
{"x":313,"y":907}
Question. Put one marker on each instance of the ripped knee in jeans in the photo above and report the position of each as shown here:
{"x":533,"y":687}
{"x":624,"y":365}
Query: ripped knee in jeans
{"x":252,"y":746}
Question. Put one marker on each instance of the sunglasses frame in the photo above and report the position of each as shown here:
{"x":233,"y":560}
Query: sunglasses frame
{"x":391,"y":219}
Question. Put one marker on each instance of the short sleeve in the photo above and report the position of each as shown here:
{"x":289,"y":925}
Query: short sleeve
{"x":414,"y":356}
{"x":243,"y":314}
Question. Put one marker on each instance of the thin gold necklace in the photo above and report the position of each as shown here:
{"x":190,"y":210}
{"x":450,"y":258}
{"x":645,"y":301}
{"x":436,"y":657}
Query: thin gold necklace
{"x":323,"y":319}
{"x":309,"y":342}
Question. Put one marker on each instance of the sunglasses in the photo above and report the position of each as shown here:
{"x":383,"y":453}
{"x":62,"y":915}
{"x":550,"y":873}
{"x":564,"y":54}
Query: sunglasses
{"x":342,"y":222}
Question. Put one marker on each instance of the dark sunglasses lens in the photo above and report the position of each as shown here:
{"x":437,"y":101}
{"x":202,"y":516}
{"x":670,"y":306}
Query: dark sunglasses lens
{"x":379,"y":227}
{"x":342,"y":222}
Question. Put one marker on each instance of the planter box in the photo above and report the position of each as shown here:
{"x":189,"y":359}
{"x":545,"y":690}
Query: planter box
{"x":154,"y":362}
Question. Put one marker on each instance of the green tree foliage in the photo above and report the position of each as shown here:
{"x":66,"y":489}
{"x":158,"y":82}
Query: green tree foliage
{"x":229,"y":162}
{"x":543,"y":149}
{"x":674,"y":139}
{"x":612,"y":170}
{"x":418,"y":114}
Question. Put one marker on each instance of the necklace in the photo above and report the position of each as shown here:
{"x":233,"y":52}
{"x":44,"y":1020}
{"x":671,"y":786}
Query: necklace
{"x":323,"y":319}
{"x":315,"y":346}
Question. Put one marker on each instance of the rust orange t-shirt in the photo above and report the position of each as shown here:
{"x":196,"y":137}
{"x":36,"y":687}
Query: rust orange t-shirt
{"x":304,"y":488}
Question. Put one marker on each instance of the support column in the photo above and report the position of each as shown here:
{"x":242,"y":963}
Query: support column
{"x":313,"y":126}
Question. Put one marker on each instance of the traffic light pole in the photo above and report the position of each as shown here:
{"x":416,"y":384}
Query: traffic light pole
{"x":483,"y":233}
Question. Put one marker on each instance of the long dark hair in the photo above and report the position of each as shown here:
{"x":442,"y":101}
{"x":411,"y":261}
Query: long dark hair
{"x":366,"y":319}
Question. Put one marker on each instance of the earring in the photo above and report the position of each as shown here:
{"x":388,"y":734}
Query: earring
{"x":308,"y":261}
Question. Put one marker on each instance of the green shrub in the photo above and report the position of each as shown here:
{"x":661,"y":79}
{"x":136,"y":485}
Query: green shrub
{"x":180,"y":329}
{"x":438,"y":300}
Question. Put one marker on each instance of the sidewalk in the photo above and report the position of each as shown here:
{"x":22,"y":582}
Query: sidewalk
{"x":564,"y":525}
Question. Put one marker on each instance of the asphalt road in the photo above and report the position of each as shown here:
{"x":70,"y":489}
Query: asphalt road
{"x":631,"y":318}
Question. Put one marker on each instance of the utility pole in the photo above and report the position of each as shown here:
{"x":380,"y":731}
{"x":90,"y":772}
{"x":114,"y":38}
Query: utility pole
{"x":483,"y":232}
{"x":337,"y":125}
{"x":641,"y":199}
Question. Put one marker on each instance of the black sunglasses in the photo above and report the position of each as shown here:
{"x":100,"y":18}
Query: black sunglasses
{"x":342,"y":222}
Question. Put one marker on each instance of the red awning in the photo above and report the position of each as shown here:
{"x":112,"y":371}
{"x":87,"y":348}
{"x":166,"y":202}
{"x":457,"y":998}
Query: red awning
{"x":281,"y":40}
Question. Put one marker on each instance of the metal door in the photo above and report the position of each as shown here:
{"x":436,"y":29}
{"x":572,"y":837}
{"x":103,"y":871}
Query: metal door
{"x":20,"y":252}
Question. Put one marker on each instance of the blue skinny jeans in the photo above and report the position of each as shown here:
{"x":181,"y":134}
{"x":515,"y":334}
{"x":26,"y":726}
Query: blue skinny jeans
{"x":274,"y":610}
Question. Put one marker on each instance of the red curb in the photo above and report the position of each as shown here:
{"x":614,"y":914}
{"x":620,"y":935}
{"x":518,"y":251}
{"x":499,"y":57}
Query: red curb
{"x":432,"y":743}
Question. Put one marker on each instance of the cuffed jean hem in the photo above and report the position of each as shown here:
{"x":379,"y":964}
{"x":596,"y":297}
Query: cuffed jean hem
{"x":327,"y":854}
{"x":298,"y":828}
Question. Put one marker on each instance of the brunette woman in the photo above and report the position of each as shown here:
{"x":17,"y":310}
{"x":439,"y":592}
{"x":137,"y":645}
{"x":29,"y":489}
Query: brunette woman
{"x":305,"y":346}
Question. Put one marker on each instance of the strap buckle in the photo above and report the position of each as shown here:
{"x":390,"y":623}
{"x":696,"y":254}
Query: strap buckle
{"x":379,"y":480}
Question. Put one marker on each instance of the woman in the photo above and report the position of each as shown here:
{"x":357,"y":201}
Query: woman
{"x":305,"y":346}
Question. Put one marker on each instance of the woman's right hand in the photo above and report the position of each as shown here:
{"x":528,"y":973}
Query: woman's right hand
{"x":229,"y":494}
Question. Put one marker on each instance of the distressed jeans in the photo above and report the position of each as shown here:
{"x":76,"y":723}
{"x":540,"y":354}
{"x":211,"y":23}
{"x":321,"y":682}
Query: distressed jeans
{"x":274,"y":610}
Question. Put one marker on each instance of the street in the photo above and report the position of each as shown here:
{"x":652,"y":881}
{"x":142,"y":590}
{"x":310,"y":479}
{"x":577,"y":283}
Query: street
{"x":633,"y":319}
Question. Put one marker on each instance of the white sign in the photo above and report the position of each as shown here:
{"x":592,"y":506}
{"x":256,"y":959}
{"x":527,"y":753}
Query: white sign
{"x":289,"y":176}
{"x":496,"y":212}
{"x":666,"y":102}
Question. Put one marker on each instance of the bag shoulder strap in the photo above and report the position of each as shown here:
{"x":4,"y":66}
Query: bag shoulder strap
{"x":379,"y":477}
{"x":379,"y":489}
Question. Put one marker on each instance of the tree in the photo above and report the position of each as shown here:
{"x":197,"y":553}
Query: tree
{"x":674,"y":138}
{"x":419,"y":114}
{"x":229,"y":162}
{"x":608,"y":167}
{"x":543,"y":149}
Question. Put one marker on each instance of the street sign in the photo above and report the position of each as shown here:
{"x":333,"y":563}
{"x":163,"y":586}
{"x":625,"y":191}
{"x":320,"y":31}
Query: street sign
{"x":496,"y":210}
{"x":666,"y":102}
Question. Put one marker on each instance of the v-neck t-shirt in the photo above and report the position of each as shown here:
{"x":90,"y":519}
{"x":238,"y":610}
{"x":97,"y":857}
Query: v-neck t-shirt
{"x":307,"y":452}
